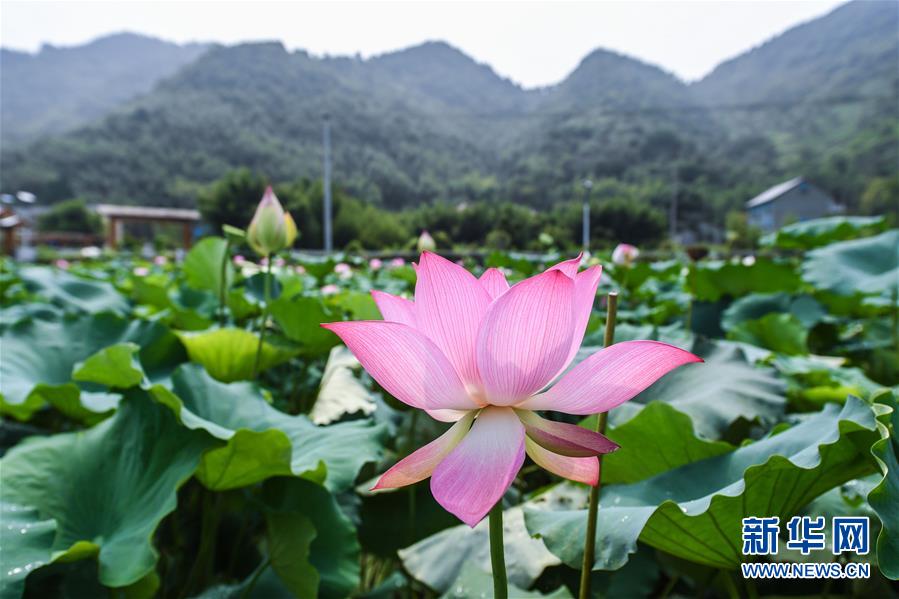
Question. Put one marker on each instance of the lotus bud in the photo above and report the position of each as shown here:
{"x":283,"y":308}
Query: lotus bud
{"x":291,"y":229}
{"x":426,"y":243}
{"x":625,"y":254}
{"x":267,"y":232}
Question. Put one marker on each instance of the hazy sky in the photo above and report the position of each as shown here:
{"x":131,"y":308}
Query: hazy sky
{"x":532,"y":43}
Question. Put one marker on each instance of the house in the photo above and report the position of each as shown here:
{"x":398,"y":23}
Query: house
{"x":791,"y":201}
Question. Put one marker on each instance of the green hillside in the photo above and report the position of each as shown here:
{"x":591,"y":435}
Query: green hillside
{"x":61,"y":88}
{"x":429,"y":124}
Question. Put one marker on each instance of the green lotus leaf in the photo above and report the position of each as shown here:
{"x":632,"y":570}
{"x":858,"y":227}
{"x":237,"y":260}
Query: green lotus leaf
{"x":107,"y":488}
{"x":25,"y":537}
{"x":360,"y":306}
{"x":869,"y":265}
{"x":262,"y":441}
{"x":230,"y":354}
{"x":694,"y":511}
{"x":332,"y":550}
{"x":782,"y":333}
{"x":203,"y":265}
{"x":300,"y":319}
{"x":657,"y":439}
{"x":884,"y":498}
{"x":715,"y":394}
{"x":18,"y":312}
{"x":709,"y":281}
{"x":116,"y":366}
{"x":438,"y":560}
{"x":72,"y":293}
{"x":474,"y":582}
{"x":39,"y":356}
{"x":756,"y":305}
{"x":822,"y":231}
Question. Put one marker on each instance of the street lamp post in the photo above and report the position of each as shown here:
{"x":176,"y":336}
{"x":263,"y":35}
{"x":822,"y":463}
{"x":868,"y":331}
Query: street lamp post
{"x":585,"y":215}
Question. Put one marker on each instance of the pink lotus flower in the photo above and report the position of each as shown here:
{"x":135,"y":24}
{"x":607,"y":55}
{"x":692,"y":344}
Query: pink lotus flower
{"x":300,"y":269}
{"x":62,"y":264}
{"x":397,"y":262}
{"x":239,"y":260}
{"x":330,"y":289}
{"x":375,"y":264}
{"x":481,"y":354}
{"x":141,"y":271}
{"x":160,"y":260}
{"x":624,"y":253}
{"x":343,"y":270}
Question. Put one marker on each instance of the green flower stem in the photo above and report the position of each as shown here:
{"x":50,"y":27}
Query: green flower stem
{"x":265,"y":310}
{"x":497,"y":555}
{"x":593,"y":508}
{"x":223,"y":284}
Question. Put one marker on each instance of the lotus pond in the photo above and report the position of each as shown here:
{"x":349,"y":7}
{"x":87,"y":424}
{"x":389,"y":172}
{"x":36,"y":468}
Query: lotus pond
{"x":152,"y":450}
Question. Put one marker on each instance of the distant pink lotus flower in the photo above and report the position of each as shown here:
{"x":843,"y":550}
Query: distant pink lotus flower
{"x":239,"y":260}
{"x":330,"y":289}
{"x":279,"y":262}
{"x":300,"y":269}
{"x":160,"y":260}
{"x":62,"y":264}
{"x":343,"y":270}
{"x":375,"y":264}
{"x":141,"y":271}
{"x":397,"y":262}
{"x":480,"y":353}
{"x":625,"y":253}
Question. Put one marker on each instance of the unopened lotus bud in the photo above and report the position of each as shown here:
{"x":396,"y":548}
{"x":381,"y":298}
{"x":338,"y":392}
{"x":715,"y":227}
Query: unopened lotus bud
{"x":426,"y":243}
{"x":291,"y":229}
{"x":267,"y":232}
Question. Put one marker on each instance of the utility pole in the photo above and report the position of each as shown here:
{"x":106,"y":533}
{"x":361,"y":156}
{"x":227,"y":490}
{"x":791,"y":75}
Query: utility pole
{"x":585,"y":215}
{"x":326,"y":217}
{"x":672,"y":216}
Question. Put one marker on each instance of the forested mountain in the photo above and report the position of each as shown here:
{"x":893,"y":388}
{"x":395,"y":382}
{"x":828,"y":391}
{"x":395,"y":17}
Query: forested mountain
{"x":58,"y":89}
{"x":428,"y":123}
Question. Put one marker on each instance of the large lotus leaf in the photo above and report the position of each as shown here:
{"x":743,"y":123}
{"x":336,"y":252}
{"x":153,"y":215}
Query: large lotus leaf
{"x":341,"y":392}
{"x":884,"y":498}
{"x":709,"y":281}
{"x":203,"y":265}
{"x":474,"y":582}
{"x":39,"y":355}
{"x":822,"y":231}
{"x":300,"y":318}
{"x":869,"y":265}
{"x":107,"y":487}
{"x":230,"y":354}
{"x":24,"y":539}
{"x":18,"y":312}
{"x":657,"y":439}
{"x":695,"y":511}
{"x":756,"y":305}
{"x":72,"y":293}
{"x":438,"y":560}
{"x":333,"y":550}
{"x":715,"y":394}
{"x":262,"y":441}
{"x":814,"y":380}
{"x":781,"y":333}
{"x":116,"y":367}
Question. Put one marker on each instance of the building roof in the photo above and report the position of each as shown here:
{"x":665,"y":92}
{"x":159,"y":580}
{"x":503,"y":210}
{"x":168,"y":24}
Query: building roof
{"x":775,"y":192}
{"x":146,"y":213}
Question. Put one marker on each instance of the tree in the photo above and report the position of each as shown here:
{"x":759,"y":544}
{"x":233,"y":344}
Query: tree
{"x":232,"y":199}
{"x":70,"y":216}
